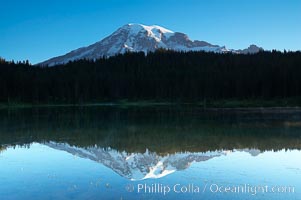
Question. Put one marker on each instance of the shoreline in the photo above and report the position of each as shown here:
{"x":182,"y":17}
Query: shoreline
{"x":244,"y":105}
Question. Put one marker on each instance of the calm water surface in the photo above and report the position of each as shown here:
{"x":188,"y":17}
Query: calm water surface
{"x":150,"y":153}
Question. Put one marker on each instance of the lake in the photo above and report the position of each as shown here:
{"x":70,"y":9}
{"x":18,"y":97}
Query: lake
{"x":152,"y":152}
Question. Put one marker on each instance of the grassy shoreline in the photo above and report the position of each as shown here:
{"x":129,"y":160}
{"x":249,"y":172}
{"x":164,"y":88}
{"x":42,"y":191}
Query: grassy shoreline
{"x":207,"y":104}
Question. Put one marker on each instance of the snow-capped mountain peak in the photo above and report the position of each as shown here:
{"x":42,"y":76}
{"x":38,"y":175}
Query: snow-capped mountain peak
{"x":154,"y":31}
{"x":139,"y":38}
{"x":149,"y":29}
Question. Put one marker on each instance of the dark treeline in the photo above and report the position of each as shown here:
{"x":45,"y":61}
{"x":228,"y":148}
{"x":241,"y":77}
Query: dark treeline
{"x":162,"y":75}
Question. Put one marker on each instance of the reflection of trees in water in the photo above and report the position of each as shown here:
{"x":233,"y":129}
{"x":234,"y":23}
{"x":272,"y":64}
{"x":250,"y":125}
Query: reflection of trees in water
{"x":161,"y":130}
{"x":2,"y":148}
{"x":14,"y":145}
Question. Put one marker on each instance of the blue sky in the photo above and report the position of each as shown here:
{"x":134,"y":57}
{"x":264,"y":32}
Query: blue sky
{"x":38,"y":30}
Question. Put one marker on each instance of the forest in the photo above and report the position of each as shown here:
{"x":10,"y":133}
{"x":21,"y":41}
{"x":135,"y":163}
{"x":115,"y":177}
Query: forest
{"x":161,"y":76}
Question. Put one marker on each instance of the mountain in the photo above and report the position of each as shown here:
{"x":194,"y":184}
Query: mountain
{"x":251,"y":49}
{"x":141,"y":38}
{"x":139,"y":166}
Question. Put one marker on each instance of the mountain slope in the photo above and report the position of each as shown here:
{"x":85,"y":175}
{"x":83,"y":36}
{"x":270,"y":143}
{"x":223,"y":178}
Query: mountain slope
{"x":251,"y":49}
{"x":140,"y":38}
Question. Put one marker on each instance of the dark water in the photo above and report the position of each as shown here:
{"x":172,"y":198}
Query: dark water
{"x":150,"y":153}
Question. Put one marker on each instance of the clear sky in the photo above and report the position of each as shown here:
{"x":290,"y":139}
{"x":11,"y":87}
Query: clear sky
{"x":37,"y":30}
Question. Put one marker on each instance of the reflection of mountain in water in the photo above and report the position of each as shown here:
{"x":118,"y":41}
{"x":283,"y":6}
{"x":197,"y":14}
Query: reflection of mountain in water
{"x":137,"y":166}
